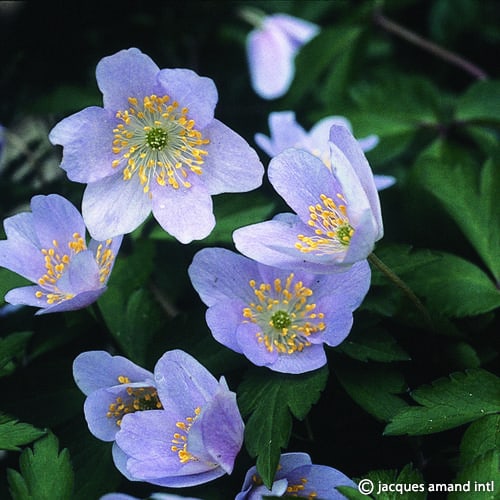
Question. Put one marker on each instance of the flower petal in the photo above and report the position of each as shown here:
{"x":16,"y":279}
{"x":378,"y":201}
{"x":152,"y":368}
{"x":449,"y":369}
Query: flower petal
{"x":113,"y":206}
{"x":223,"y":319}
{"x":270,"y":60}
{"x":87,"y":140}
{"x":346,"y":145}
{"x":93,"y":370}
{"x":55,"y":218}
{"x":218,"y":274}
{"x":197,"y":93}
{"x":285,"y":133}
{"x":231,"y":164}
{"x":183,"y":381}
{"x":222,"y":429}
{"x":22,"y":258}
{"x":185,"y":213}
{"x":128,"y":73}
{"x":300,"y":178}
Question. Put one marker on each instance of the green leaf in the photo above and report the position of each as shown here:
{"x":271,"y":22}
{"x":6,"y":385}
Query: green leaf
{"x":331,"y":50}
{"x":8,"y":281}
{"x":448,"y":403}
{"x":231,"y":212}
{"x":373,"y":387}
{"x":479,"y":459}
{"x":395,"y":108}
{"x":481,"y":102}
{"x":373,"y":344}
{"x":409,"y":484}
{"x":471,"y":199}
{"x":454,"y":286}
{"x":45,"y":473}
{"x":272,"y":399}
{"x":482,"y":436}
{"x":141,"y":318}
{"x":129,"y":309}
{"x":14,"y":433}
{"x":12,"y":347}
{"x":479,"y":479}
{"x":401,"y":259}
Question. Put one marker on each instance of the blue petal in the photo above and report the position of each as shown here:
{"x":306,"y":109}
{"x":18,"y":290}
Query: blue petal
{"x":128,"y":73}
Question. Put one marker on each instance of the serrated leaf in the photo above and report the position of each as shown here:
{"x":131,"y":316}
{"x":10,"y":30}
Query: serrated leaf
{"x":373,"y":387}
{"x":471,"y":199}
{"x":481,"y":436}
{"x":448,"y":403}
{"x":454,"y":286}
{"x":481,"y":102}
{"x":45,"y":473}
{"x":373,"y":344}
{"x":272,"y":399}
{"x":479,"y":479}
{"x":14,"y":434}
{"x":389,"y":485}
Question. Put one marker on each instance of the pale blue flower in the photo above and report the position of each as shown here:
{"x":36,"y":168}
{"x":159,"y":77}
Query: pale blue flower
{"x":155,"y":147}
{"x":276,"y":318}
{"x":337,"y":217}
{"x":271,"y":50}
{"x":48,"y":247}
{"x":194,"y":439}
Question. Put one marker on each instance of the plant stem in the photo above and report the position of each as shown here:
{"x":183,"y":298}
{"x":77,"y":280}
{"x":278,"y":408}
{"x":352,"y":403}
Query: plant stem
{"x":429,"y":46}
{"x":396,"y":280}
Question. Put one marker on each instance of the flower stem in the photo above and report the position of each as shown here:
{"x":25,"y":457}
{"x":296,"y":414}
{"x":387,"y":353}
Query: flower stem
{"x":429,"y":46}
{"x":396,"y":280}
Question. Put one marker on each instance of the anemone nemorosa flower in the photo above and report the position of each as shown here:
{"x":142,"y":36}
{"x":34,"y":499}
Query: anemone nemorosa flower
{"x":47,"y":246}
{"x":276,"y":318}
{"x":154,"y":146}
{"x":271,"y":50}
{"x":114,"y":387}
{"x":338,"y":217}
{"x":194,"y":439}
{"x":286,"y":133}
{"x":297,"y":476}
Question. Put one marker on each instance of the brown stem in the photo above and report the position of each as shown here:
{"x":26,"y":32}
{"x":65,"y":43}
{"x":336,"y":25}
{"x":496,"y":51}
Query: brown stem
{"x":429,"y":46}
{"x":394,"y":278}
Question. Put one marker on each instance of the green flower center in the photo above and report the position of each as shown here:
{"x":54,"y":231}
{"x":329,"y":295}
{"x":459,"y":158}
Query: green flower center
{"x":281,"y":319}
{"x":285,"y":313}
{"x":157,"y":138}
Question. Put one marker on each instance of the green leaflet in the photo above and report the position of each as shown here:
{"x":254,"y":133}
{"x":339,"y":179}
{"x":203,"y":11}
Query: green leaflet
{"x":272,"y":399}
{"x":45,"y":474}
{"x":448,"y":403}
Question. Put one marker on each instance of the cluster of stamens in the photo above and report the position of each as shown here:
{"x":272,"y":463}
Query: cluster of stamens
{"x":285,"y":313}
{"x":179,"y":441}
{"x":293,"y":490}
{"x":332,"y":231}
{"x":56,"y":262}
{"x":137,"y":399}
{"x":156,"y":140}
